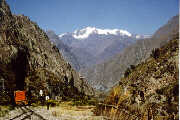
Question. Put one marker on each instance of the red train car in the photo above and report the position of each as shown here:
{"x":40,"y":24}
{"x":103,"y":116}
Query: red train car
{"x":20,"y":97}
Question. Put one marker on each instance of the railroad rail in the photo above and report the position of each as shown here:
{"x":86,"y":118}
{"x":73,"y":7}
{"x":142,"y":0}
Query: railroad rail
{"x":27,"y":113}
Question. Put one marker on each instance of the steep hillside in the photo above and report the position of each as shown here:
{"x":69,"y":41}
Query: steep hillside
{"x":107,"y":74}
{"x":64,"y":49}
{"x":29,"y":61}
{"x":149,"y":90}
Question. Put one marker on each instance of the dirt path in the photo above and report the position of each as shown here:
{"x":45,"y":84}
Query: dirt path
{"x":67,"y":112}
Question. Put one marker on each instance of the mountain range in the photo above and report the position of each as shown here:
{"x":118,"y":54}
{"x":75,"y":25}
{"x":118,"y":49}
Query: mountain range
{"x":103,"y":55}
{"x":105,"y":75}
{"x":92,"y":45}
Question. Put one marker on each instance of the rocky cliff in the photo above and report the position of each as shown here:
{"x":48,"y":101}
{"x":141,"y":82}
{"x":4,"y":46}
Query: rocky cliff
{"x":64,"y":49}
{"x":29,"y":61}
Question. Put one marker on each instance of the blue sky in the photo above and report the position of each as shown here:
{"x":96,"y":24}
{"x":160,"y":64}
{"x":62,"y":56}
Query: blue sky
{"x":135,"y":16}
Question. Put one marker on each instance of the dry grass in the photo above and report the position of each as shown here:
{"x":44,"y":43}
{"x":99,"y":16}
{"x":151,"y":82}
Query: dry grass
{"x":66,"y":108}
{"x":154,"y":78}
{"x":4,"y":110}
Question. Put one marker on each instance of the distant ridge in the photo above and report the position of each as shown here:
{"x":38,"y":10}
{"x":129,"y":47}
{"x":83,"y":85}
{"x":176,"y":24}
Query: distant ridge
{"x":91,"y":45}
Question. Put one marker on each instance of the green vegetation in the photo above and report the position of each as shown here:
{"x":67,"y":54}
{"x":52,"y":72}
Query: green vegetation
{"x":78,"y":101}
{"x":84,"y":101}
{"x":53,"y":103}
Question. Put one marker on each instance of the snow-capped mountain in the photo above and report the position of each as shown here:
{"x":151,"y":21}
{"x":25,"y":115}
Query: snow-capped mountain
{"x":86,"y":32}
{"x":94,"y":45}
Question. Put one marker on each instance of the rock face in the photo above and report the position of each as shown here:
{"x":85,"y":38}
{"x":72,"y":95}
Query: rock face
{"x":149,"y":90}
{"x":64,"y":49}
{"x":29,"y":61}
{"x":108,"y":73}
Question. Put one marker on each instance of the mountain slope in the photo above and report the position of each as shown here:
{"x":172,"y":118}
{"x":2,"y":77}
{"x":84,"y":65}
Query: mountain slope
{"x":64,"y":49}
{"x":108,"y":73}
{"x":149,"y":90}
{"x":29,"y":61}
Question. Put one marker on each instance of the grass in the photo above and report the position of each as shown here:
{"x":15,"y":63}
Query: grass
{"x":83,"y":102}
{"x":68,"y":108}
{"x":72,"y":102}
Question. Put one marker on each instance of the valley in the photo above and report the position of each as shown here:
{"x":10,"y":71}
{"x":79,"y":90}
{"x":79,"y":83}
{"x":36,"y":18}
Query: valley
{"x":92,"y":73}
{"x":103,"y":56}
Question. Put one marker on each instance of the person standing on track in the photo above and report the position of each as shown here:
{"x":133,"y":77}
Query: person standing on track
{"x":47,"y":102}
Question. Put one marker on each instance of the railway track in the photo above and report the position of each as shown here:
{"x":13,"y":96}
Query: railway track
{"x":27,"y":114}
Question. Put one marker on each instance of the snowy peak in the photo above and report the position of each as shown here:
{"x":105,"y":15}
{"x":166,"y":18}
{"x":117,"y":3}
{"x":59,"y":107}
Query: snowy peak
{"x":86,"y":32}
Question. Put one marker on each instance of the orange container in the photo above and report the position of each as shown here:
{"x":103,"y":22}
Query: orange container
{"x":20,"y":97}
